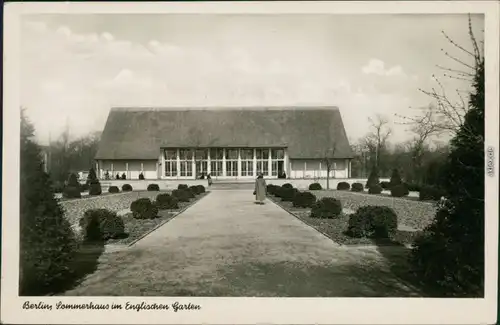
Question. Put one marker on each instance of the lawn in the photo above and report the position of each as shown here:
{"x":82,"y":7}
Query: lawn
{"x":335,"y":228}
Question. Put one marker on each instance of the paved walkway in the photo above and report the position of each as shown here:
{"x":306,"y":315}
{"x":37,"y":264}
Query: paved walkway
{"x":226,"y":245}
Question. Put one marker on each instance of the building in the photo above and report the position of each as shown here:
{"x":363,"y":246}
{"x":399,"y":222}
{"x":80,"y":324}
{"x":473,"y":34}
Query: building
{"x":228,"y":143}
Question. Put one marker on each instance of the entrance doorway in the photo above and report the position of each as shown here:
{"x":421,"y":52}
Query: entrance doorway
{"x":280,"y":168}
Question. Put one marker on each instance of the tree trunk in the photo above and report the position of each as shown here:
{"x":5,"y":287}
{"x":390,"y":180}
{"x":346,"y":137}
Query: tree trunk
{"x":327,"y":178}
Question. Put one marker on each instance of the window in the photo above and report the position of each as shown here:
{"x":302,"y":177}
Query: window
{"x":263,"y":161}
{"x":247,"y":168}
{"x":274,"y":168}
{"x":232,"y":167}
{"x":277,"y":154}
{"x":186,"y":158}
{"x":216,"y":156}
{"x":231,"y":154}
{"x":170,"y":162}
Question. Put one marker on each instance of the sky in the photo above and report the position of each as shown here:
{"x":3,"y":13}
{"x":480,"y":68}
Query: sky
{"x":74,"y":68}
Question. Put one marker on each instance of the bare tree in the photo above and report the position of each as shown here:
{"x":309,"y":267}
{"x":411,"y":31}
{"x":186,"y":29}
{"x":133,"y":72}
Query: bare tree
{"x":448,"y":114}
{"x":329,"y":160}
{"x":376,"y":140}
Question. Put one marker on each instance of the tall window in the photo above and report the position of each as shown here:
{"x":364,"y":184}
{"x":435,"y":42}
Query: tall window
{"x":216,"y":156}
{"x":201,"y":160}
{"x":170,"y":162}
{"x":263,"y":161}
{"x":277,"y":161}
{"x":232,"y":162}
{"x":186,"y":158}
{"x":246,"y":162}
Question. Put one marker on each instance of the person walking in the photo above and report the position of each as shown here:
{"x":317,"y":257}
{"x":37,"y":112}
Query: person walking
{"x":260,"y":189}
{"x":209,"y":179}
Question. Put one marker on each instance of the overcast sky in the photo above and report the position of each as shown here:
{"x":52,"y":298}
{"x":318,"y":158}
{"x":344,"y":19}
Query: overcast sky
{"x":75,"y":67}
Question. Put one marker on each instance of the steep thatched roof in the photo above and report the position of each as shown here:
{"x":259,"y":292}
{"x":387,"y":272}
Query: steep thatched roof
{"x":139,"y":133}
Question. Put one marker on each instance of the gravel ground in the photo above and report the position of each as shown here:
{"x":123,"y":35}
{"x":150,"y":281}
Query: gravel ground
{"x":413,"y":214}
{"x":75,"y":209}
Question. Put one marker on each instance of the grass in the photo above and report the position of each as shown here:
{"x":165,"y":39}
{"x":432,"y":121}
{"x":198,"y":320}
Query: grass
{"x":335,"y":228}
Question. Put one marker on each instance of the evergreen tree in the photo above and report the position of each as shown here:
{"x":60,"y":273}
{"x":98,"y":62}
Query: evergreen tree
{"x":47,"y":242}
{"x":450,"y":253}
{"x":373,"y":179}
{"x":93,"y":183}
{"x":395,"y":178}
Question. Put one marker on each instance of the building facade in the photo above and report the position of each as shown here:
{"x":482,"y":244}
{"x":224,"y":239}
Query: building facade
{"x":229,"y":143}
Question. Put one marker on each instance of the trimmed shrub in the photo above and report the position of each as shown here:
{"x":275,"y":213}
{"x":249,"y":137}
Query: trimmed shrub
{"x":182,"y":187}
{"x":201,"y":189}
{"x":413,"y":187}
{"x":287,"y":194}
{"x":71,"y":192}
{"x":430,"y":193}
{"x":287,"y":185}
{"x":343,"y":186}
{"x":57,"y":187}
{"x":84,"y":187}
{"x":395,"y":178}
{"x":153,"y":187}
{"x":113,"y":189}
{"x":373,"y":222}
{"x":315,"y":187}
{"x":95,"y":189}
{"x":47,"y":243}
{"x":304,"y":200}
{"x":182,"y":195}
{"x":127,"y":188}
{"x":373,"y":178}
{"x":357,"y":187}
{"x":98,"y":224}
{"x":195,"y":189}
{"x":375,"y":189}
{"x":326,"y":208}
{"x":399,"y":190}
{"x":385,"y":185}
{"x":143,"y":208}
{"x":166,"y":201}
{"x":272,"y":189}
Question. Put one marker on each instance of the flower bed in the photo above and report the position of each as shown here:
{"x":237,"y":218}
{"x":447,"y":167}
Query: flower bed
{"x":138,"y":228}
{"x":335,"y":228}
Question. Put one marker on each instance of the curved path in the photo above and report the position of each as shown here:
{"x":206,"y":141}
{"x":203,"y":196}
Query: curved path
{"x":226,"y":245}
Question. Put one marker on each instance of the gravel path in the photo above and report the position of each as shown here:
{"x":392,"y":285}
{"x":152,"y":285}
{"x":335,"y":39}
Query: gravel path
{"x":226,"y":245}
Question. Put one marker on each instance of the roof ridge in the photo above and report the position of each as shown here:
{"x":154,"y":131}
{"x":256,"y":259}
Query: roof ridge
{"x":221,"y":108}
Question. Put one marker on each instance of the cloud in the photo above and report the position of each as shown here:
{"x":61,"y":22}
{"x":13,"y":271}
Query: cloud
{"x":377,"y":67}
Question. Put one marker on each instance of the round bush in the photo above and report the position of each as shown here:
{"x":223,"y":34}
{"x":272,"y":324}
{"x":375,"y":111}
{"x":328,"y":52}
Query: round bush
{"x":153,"y":187}
{"x":357,"y":187}
{"x":165,"y":201}
{"x":399,"y":190}
{"x":195,"y":189}
{"x":143,"y":208}
{"x":72,"y":192}
{"x":182,"y":187}
{"x":287,"y":194}
{"x":181,"y":195}
{"x":375,"y":189}
{"x":100,"y":224}
{"x":272,"y":189}
{"x":113,"y":189}
{"x":304,"y":200}
{"x":287,"y":185}
{"x":343,"y":186}
{"x":127,"y":188}
{"x":413,"y":187}
{"x":201,"y":189}
{"x":315,"y":187}
{"x":95,"y":189}
{"x":373,"y":222}
{"x":326,"y":208}
{"x":385,"y":185}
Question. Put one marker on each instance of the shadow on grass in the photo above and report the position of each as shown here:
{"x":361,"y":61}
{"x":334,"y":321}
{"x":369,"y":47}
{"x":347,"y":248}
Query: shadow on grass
{"x":85,"y":263}
{"x":294,"y":279}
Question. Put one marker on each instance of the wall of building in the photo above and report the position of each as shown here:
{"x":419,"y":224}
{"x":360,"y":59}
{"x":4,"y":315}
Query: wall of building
{"x":315,"y":168}
{"x":131,"y":168}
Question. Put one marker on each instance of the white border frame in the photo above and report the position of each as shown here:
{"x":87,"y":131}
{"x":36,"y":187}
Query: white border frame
{"x":247,"y":310}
